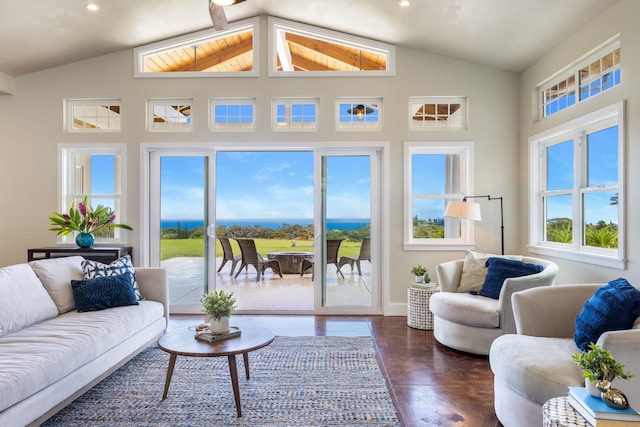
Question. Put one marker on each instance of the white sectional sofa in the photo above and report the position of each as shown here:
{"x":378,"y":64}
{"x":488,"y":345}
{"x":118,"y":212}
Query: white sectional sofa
{"x":49,"y":352}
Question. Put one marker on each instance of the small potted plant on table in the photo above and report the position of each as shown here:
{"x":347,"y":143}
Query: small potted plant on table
{"x":598,"y":365}
{"x":219,"y":305}
{"x":421,"y":273}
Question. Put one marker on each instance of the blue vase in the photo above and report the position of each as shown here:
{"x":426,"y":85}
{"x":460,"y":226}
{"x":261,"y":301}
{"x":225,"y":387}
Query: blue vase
{"x":84,"y":240}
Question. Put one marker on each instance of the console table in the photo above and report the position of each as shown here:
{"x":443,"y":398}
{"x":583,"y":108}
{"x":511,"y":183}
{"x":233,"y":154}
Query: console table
{"x":103,"y":254}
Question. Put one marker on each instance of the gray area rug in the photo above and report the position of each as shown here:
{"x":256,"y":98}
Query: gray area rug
{"x":295,"y":381}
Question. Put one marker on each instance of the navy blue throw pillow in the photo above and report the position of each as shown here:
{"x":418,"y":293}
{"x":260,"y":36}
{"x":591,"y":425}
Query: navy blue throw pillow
{"x":499,"y":269}
{"x":613,"y":307}
{"x":103,"y":292}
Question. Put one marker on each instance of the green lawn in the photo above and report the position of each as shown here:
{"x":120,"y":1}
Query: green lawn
{"x":171,"y":248}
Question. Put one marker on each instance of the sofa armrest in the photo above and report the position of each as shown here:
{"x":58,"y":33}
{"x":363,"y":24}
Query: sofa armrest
{"x":550,"y":311}
{"x":513,"y":285}
{"x":625,"y":347}
{"x":449,"y":274}
{"x":154,"y":286}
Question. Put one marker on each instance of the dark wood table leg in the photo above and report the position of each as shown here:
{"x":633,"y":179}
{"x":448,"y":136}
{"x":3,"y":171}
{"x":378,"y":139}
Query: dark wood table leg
{"x":245,"y":356}
{"x":172,"y":363}
{"x":233,"y":370}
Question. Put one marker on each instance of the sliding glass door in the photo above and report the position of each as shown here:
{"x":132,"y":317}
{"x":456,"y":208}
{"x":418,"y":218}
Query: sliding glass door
{"x":313,"y":210}
{"x":348,"y":222}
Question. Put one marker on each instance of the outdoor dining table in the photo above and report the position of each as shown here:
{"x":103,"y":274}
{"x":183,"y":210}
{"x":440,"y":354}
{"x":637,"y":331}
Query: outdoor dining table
{"x":290,"y":262}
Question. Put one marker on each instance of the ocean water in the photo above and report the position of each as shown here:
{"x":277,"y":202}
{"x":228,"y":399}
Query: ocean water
{"x":332,"y":224}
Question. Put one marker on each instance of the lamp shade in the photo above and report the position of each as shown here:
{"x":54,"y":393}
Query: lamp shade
{"x":464,"y":210}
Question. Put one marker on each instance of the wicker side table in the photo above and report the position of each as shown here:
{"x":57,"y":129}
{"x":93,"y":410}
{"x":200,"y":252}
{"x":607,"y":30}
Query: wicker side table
{"x":418,"y":314}
{"x":557,"y":412}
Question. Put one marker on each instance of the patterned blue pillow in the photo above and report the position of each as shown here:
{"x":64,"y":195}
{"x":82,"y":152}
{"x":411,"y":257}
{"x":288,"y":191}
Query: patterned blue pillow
{"x":103,"y":292}
{"x":499,"y":269}
{"x":92,"y":269}
{"x":613,"y":307}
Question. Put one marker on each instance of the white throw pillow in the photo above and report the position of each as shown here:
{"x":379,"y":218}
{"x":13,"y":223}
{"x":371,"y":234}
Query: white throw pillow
{"x":23,"y":299}
{"x":474,"y":270}
{"x":56,"y":275}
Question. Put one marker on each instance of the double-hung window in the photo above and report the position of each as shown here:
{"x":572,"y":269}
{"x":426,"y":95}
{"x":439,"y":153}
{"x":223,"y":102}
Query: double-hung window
{"x":435,"y":174}
{"x":577,"y":189}
{"x":95,"y":171}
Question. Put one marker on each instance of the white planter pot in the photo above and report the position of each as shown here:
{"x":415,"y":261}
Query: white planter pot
{"x":219,"y":326}
{"x":591,"y":388}
{"x":419,"y":279}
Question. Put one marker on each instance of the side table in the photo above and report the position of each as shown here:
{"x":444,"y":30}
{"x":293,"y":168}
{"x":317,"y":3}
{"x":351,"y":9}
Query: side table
{"x":418,"y":314}
{"x":557,"y":412}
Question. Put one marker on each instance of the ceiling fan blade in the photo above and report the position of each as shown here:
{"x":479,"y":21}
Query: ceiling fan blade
{"x":218,"y":17}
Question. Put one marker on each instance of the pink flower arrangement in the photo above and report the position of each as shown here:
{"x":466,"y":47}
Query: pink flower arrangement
{"x":84,"y":219}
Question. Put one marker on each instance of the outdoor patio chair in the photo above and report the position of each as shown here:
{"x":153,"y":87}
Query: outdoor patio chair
{"x":333,"y":245}
{"x":250,"y":256}
{"x":227,"y":255}
{"x":365,"y":255}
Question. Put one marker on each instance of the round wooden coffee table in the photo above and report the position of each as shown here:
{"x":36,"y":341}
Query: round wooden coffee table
{"x":182,"y":342}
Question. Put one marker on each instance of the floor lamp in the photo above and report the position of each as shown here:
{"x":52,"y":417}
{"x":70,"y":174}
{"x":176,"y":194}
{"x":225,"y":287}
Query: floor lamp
{"x":470,"y":210}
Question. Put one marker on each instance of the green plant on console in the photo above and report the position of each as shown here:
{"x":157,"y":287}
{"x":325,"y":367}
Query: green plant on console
{"x":218,"y":304}
{"x":419,"y":270}
{"x":592,"y":360}
{"x":84,"y":219}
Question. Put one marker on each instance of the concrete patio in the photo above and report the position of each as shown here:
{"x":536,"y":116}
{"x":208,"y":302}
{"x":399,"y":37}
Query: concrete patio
{"x":291,"y":293}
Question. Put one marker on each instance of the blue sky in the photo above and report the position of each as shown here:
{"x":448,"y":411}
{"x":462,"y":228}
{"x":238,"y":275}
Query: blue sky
{"x":602,"y":167}
{"x":264,"y":185}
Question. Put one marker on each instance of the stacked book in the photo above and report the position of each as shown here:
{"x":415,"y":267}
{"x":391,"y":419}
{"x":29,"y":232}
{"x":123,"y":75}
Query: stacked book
{"x":203,"y":333}
{"x":597,"y":413}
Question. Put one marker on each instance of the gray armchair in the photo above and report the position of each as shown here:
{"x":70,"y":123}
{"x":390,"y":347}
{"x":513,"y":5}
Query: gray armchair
{"x":535,"y":364}
{"x":470,"y":323}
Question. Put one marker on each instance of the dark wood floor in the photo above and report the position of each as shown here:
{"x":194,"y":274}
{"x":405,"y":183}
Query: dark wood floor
{"x":430,"y":384}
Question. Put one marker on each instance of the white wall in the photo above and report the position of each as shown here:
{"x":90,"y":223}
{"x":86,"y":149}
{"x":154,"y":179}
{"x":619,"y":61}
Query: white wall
{"x":31,"y":124}
{"x":621,"y":18}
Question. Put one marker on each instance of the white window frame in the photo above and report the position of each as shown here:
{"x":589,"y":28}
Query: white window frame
{"x":576,"y":130}
{"x":69,"y":115}
{"x":574,"y":69}
{"x":289,"y":126}
{"x":152,"y":103}
{"x":466,"y":151}
{"x":139,"y":53}
{"x":420,"y":126}
{"x":278,"y":25}
{"x":68,"y":190}
{"x":231,"y":127}
{"x":356,"y":125}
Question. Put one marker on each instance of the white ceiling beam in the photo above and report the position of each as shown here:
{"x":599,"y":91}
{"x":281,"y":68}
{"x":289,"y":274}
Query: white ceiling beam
{"x":282,"y":48}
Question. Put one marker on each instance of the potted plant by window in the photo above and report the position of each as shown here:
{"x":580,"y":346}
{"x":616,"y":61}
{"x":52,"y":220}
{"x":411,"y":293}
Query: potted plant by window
{"x":85,"y":221}
{"x":219,"y":305}
{"x":421,"y":273}
{"x":597,"y":365}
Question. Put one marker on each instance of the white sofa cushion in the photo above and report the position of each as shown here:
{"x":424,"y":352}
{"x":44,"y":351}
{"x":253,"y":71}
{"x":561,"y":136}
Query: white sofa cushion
{"x":23,"y":299}
{"x":538,"y":368}
{"x":56,"y":275}
{"x":64,"y":344}
{"x":466,"y":309}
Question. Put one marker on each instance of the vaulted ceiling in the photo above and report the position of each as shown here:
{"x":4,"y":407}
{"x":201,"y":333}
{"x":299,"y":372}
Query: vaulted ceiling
{"x":505,"y":34}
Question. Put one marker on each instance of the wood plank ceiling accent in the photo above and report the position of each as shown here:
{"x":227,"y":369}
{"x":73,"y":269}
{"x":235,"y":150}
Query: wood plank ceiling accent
{"x":234,"y":53}
{"x":226,"y":54}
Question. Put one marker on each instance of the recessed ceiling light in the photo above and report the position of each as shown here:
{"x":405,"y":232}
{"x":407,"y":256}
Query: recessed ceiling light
{"x":404,"y":3}
{"x":93,"y":7}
